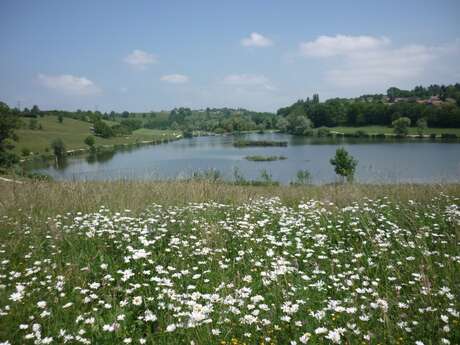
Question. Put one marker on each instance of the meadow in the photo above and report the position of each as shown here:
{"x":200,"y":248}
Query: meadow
{"x":73,"y":133}
{"x":211,"y":263}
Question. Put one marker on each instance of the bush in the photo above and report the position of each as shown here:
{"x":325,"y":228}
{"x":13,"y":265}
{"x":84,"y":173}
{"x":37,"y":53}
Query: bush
{"x":213,"y":175}
{"x":187,"y":134}
{"x":422,"y":125}
{"x":433,"y":135}
{"x":303,"y":177}
{"x":344,"y":164}
{"x":90,"y":141}
{"x":448,"y":136}
{"x":323,"y":132}
{"x":102,"y":129}
{"x":39,"y":176}
{"x":401,"y":126}
{"x":361,"y":134}
{"x":25,"y":152}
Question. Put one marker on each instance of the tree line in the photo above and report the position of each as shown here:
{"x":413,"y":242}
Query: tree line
{"x":381,"y":110}
{"x":299,"y":118}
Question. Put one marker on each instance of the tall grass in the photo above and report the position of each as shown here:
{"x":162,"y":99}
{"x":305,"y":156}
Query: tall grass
{"x":198,"y":262}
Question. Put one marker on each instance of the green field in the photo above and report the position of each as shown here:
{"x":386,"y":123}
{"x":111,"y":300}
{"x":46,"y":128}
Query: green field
{"x":73,"y":133}
{"x":389,"y":130}
{"x":206,"y":263}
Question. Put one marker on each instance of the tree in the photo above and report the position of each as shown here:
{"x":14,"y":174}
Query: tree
{"x":90,"y":141}
{"x":299,"y":124}
{"x":344,"y":164}
{"x":8,"y":123}
{"x":282,"y":124}
{"x":35,"y":111}
{"x":421,"y":126}
{"x":58,"y":148}
{"x":401,"y":126}
{"x":102,"y":129}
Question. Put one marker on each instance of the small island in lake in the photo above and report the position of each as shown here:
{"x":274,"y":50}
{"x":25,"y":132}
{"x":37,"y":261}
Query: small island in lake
{"x":247,"y":143}
{"x":265,"y":158}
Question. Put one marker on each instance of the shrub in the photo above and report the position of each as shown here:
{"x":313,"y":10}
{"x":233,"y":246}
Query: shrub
{"x":25,"y":152}
{"x":448,"y":136}
{"x":90,"y":141}
{"x":102,"y":129}
{"x":265,"y":176}
{"x":401,"y":126}
{"x":323,"y":132}
{"x":344,"y":164}
{"x":303,"y":177}
{"x":187,"y":133}
{"x":361,"y":134}
{"x":213,"y":175}
{"x":422,"y":125}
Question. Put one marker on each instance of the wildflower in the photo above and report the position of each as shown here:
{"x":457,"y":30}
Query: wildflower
{"x":334,"y":336}
{"x":41,"y":304}
{"x":304,"y":338}
{"x":320,"y":330}
{"x":137,"y":300}
{"x":171,"y":328}
{"x":149,"y":316}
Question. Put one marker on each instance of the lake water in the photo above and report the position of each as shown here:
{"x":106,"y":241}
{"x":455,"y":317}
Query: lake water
{"x":380,"y":161}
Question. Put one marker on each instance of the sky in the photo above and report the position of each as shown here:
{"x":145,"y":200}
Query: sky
{"x":260,"y":55}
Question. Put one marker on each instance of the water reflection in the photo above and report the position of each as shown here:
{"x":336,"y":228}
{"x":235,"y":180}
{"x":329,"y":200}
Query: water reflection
{"x":61,"y":163}
{"x":100,"y":157}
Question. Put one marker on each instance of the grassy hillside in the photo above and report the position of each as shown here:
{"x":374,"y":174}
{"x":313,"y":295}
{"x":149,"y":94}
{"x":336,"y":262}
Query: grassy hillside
{"x":73,"y":133}
{"x":136,"y":263}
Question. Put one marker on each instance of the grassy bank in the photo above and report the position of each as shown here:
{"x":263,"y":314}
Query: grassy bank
{"x":388,"y":130}
{"x":206,"y":263}
{"x":73,"y":133}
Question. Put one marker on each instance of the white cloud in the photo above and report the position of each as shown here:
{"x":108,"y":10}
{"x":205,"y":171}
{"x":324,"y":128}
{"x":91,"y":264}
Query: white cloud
{"x":140,"y":59}
{"x":326,"y":46}
{"x":368,"y":61}
{"x":383,"y":67}
{"x":69,"y":84}
{"x":175,"y":78}
{"x":248,"y":80}
{"x":256,"y":40}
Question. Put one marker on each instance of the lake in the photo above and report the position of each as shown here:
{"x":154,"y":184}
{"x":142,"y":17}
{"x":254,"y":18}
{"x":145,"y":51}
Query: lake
{"x":380,"y":160}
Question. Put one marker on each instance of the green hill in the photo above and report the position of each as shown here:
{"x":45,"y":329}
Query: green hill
{"x":73,"y":133}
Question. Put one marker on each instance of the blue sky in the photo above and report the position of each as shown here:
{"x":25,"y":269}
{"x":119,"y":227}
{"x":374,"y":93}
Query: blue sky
{"x":261,"y":55}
